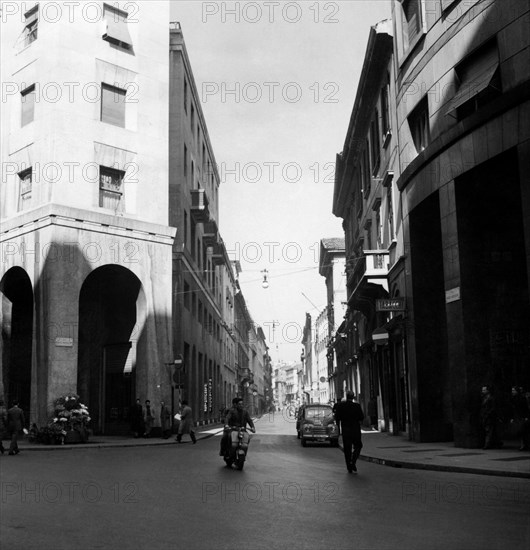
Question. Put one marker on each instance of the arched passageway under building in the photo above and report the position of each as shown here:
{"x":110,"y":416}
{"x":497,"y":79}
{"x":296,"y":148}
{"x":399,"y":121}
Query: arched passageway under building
{"x":16,"y":293}
{"x":111,"y":317}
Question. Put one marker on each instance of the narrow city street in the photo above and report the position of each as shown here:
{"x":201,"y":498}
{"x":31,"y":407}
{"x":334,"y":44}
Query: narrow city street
{"x":182,"y":496}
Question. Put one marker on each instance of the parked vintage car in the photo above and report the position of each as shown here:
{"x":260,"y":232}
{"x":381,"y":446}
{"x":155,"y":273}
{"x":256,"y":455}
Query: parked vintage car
{"x":315,"y":423}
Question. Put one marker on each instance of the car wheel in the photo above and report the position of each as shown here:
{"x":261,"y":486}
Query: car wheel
{"x":298,"y":435}
{"x":334,"y":442}
{"x":304,"y":442}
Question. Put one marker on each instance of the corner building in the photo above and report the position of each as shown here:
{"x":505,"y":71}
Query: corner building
{"x":86,"y":246}
{"x":463,"y":114}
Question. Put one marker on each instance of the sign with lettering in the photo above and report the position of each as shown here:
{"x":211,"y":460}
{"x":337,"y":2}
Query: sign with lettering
{"x":452,"y":295}
{"x":390,"y":304}
{"x":64,"y":342}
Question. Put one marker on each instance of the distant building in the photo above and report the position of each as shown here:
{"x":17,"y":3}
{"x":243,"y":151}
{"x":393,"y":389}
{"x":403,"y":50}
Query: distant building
{"x":332,"y":266}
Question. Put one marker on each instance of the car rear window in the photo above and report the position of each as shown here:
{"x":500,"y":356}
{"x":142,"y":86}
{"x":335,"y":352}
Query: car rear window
{"x":318,"y":412}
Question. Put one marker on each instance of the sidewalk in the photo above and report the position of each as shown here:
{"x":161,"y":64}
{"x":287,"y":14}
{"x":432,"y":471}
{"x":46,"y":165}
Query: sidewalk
{"x":398,"y":451}
{"x":380,"y":448}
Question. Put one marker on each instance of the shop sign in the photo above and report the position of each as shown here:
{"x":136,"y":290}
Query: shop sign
{"x":452,"y":295}
{"x":390,"y":304}
{"x":64,"y":342}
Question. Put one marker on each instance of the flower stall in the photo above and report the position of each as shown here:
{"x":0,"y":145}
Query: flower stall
{"x":70,"y":422}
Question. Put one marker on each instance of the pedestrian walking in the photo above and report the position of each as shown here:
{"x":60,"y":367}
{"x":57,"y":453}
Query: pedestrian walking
{"x":489,"y":418}
{"x":350,"y":415}
{"x":186,"y":423}
{"x":15,"y":424}
{"x":149,"y":419}
{"x":521,"y":416}
{"x":165,"y":420}
{"x":137,"y":419}
{"x":3,"y":424}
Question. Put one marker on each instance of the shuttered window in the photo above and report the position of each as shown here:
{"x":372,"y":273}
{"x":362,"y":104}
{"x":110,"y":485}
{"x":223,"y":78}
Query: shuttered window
{"x":419,"y":125}
{"x":31,"y":25}
{"x":411,"y":24}
{"x":113,"y":105}
{"x":28,"y":105}
{"x":111,"y":188}
{"x":116,"y":31}
{"x":26,"y":188}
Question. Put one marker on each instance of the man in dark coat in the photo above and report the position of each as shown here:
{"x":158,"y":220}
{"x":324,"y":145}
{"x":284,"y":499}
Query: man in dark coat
{"x":165,"y":420}
{"x":137,"y":419}
{"x":15,"y":424}
{"x":489,"y":418}
{"x":521,"y":415}
{"x":350,"y":416}
{"x":237,"y":416}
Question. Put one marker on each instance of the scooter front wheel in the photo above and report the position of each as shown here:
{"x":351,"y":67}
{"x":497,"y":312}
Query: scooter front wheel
{"x":240,"y":464}
{"x":229,"y":462}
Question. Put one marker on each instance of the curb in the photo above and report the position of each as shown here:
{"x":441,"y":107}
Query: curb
{"x":442,"y":468}
{"x":112,"y":445}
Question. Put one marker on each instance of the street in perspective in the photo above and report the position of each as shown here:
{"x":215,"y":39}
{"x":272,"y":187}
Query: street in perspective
{"x":287,"y":496}
{"x":265,"y":274}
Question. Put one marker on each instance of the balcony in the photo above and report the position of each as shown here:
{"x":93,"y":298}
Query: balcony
{"x":199,"y":206}
{"x":210,"y":237}
{"x":219,"y":255}
{"x":368,"y":281}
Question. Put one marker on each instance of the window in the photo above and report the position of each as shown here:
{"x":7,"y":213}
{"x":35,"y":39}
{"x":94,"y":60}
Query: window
{"x":116,"y":31}
{"x":192,"y":120}
{"x":28,"y":105}
{"x":25,"y":185}
{"x":111,"y":188}
{"x":113,"y":105}
{"x":478,"y":79}
{"x":365,"y":171}
{"x":200,"y":313}
{"x":185,"y":96}
{"x":411,"y":22}
{"x":385,"y":109}
{"x":419,"y":125}
{"x":193,"y":304}
{"x":185,"y":161}
{"x":185,"y":228}
{"x":186,"y":295}
{"x":374,"y":142}
{"x":31,"y":25}
{"x":390,"y":212}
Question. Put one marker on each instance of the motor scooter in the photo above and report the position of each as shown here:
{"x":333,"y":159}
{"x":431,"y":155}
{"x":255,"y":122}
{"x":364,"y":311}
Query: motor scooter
{"x":238,"y":442}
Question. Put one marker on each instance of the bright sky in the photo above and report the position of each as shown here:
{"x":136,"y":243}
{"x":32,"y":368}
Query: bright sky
{"x":277,"y":82}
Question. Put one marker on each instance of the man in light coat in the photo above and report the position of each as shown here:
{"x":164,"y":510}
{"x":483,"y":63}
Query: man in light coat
{"x":186,"y":423}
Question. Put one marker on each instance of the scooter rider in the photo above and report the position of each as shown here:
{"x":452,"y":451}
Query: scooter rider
{"x":237,"y":416}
